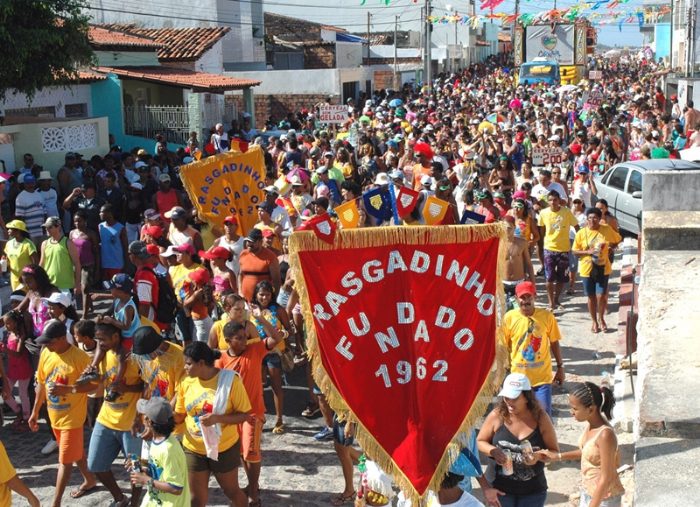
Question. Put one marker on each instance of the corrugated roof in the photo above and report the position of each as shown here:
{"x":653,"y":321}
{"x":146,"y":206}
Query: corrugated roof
{"x":103,"y":38}
{"x":198,"y":81}
{"x":178,"y":44}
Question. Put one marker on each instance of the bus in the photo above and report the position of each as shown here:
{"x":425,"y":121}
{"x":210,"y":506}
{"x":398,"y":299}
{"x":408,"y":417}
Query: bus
{"x":539,"y":71}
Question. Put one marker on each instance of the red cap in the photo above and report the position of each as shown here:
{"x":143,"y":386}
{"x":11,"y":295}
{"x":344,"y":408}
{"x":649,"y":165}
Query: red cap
{"x":519,"y":137}
{"x":218,"y":252}
{"x":154,"y":231}
{"x":200,"y":276}
{"x":268,"y":233}
{"x":185,"y":248}
{"x":153,"y":249}
{"x":525,"y":288}
{"x":230,"y":220}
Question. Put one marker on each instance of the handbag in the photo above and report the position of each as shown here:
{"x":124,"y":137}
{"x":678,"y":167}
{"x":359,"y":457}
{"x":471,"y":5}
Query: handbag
{"x":287,"y":358}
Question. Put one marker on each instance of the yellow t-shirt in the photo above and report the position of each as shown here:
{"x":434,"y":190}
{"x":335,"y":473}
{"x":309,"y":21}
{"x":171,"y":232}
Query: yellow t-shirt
{"x":178,"y":274}
{"x":162,"y":374}
{"x":529,"y":340}
{"x":194,"y":395}
{"x":557,"y":225}
{"x":66,"y":412}
{"x":7,"y":472}
{"x":118,"y":415}
{"x":18,"y":256}
{"x":586,"y":239}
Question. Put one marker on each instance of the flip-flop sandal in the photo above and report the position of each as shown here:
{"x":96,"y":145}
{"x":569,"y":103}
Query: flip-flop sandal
{"x":278,"y":429}
{"x":79,"y":492}
{"x":343,"y":499}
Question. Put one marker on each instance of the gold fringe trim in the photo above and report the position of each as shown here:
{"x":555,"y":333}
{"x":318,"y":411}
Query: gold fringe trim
{"x":304,"y":241}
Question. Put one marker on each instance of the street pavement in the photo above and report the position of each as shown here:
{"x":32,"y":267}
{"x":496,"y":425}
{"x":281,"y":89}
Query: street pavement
{"x":299,"y":471}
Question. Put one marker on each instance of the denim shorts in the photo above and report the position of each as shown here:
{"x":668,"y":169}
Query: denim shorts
{"x":595,"y":285}
{"x":613,"y":501}
{"x":543,"y":393}
{"x":273,"y":360}
{"x":534,"y":500}
{"x":105,"y":445}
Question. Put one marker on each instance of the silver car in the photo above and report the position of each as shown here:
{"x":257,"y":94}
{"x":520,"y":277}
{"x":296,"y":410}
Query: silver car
{"x":621,"y":186}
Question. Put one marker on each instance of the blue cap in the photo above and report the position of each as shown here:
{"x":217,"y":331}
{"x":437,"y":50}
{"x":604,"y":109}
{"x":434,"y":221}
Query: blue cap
{"x":28,"y":178}
{"x":582,"y":169}
{"x":121,"y":281}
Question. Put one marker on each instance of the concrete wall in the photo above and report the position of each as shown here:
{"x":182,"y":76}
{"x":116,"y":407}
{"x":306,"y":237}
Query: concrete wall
{"x":348,"y":54}
{"x":293,"y":82}
{"x":212,"y":61}
{"x":671,"y":191}
{"x":53,"y":96}
{"x":50,"y":141}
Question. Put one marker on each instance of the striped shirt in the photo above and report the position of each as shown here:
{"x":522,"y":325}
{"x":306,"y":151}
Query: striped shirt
{"x":29,"y":207}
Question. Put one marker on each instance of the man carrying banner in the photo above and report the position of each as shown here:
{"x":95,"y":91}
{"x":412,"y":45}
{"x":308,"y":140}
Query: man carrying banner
{"x":532,"y":336}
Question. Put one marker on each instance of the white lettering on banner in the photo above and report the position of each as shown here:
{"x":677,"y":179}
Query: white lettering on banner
{"x":543,"y":156}
{"x":405,"y":372}
{"x":388,"y":338}
{"x":332,"y":114}
{"x":405,"y":313}
{"x":422,"y":332}
{"x":445,"y":312}
{"x":365,"y":325}
{"x":421,"y":263}
{"x":343,"y":348}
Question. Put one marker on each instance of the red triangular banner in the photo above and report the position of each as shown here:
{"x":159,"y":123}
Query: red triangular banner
{"x":324,"y":228}
{"x":406,"y":201}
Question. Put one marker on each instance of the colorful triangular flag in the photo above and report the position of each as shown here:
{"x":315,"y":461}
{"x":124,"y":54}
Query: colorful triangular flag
{"x":348,"y":214}
{"x":434,"y":210}
{"x":378,"y":203}
{"x":406,"y":201}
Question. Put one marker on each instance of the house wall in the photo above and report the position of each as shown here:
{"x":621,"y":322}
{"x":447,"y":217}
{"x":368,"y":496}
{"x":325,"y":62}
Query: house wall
{"x":126,"y":58}
{"x":50,"y":141}
{"x":54,"y":96}
{"x":348,"y":54}
{"x":277,"y":106}
{"x":212,"y":60}
{"x":153,"y":94}
{"x":319,"y":57}
{"x":293,"y":82}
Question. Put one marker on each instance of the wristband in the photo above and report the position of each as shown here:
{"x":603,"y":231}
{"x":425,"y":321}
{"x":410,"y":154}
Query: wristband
{"x":559,"y":455}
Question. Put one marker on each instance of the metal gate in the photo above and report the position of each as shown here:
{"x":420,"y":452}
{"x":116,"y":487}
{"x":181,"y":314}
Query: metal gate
{"x":147,"y":121}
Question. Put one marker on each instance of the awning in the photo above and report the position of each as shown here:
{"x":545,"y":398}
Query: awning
{"x":197,"y":81}
{"x":346,"y":37}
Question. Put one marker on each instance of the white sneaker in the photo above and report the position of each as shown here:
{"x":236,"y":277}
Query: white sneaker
{"x":51,"y":446}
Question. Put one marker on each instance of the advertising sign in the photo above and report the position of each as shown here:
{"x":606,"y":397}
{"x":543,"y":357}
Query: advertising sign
{"x":556,"y":45}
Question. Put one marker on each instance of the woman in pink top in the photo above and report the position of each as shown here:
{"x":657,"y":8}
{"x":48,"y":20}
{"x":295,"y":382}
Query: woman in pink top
{"x":224,"y":280}
{"x":598,"y":452}
{"x":87,"y":243}
{"x":19,"y":368}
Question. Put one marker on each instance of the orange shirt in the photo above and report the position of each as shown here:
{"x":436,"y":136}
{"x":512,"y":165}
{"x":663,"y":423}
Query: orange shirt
{"x":255,"y":267}
{"x":248,"y":367}
{"x":418,"y":172}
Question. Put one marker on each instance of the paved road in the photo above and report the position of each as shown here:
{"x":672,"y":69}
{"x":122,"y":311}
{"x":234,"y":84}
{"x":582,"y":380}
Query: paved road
{"x":298,"y":471}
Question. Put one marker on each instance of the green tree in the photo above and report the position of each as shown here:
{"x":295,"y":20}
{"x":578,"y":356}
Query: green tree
{"x":44,"y":43}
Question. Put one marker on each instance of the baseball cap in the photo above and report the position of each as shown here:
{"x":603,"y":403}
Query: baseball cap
{"x":146,"y":340}
{"x":157,"y":409}
{"x":200,"y":276}
{"x":52,"y":330}
{"x":153,"y":249}
{"x":176,"y":213}
{"x":514,"y":385}
{"x":231,"y":219}
{"x":59,"y":298}
{"x":525,"y":288}
{"x":185,"y":248}
{"x":139,"y":250}
{"x":28,"y":178}
{"x":52,"y":222}
{"x":151,"y":214}
{"x":382,"y":179}
{"x":322,"y":201}
{"x":254,"y":235}
{"x":322,"y":170}
{"x":169,"y":252}
{"x":268,"y":233}
{"x":218,"y":252}
{"x":582,"y":169}
{"x":121,"y":281}
{"x":154,"y":231}
{"x":555,"y":137}
{"x":164,"y":177}
{"x":271,"y":189}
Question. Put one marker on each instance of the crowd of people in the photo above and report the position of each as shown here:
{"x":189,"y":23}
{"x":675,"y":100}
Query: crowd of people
{"x":190,"y":303}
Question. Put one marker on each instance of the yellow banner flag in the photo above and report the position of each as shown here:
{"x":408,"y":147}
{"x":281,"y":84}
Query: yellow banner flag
{"x":227,"y":184}
{"x":434,"y":210}
{"x":348,"y":214}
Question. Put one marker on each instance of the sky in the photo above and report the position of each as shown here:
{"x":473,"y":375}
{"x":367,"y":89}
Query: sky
{"x":353,"y":16}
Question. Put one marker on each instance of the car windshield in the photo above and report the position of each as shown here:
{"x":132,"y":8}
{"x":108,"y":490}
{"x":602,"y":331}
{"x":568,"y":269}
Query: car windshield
{"x":541,"y":71}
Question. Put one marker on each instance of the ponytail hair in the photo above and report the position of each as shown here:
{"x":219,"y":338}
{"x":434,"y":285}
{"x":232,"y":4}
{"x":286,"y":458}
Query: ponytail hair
{"x":591,"y":395}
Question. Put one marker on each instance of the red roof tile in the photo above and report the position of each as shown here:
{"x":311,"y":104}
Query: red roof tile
{"x":198,"y":81}
{"x":177,"y":44}
{"x":102,"y":37}
{"x":87,"y":76}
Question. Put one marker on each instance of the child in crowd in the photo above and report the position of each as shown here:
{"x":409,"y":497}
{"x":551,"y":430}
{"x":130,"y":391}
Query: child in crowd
{"x":61,"y":308}
{"x":126,"y":318}
{"x":84,"y":335}
{"x":19,"y":368}
{"x":199,"y":302}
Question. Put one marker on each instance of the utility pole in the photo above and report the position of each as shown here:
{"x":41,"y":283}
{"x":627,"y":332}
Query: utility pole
{"x":428,"y":52}
{"x":369,"y":19}
{"x":396,"y":53}
{"x":456,"y":43}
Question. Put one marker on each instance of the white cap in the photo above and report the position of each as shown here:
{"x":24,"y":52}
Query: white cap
{"x":555,"y":137}
{"x":61,"y":298}
{"x":140,"y":164}
{"x":514,"y":384}
{"x":382,"y":179}
{"x":426,"y":180}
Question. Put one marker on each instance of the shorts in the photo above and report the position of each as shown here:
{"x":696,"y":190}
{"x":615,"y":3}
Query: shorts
{"x":339,"y":433}
{"x":543,"y":394}
{"x":70,"y":445}
{"x":229,"y":460}
{"x":273,"y":360}
{"x":108,"y":273}
{"x":87,"y":277}
{"x":105,"y":444}
{"x":250,"y":439}
{"x":595,"y":285}
{"x":555,"y":266}
{"x":613,"y":501}
{"x":533,"y":500}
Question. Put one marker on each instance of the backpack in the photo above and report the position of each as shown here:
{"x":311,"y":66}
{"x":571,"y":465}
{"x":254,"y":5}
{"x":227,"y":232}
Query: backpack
{"x":167,"y":306}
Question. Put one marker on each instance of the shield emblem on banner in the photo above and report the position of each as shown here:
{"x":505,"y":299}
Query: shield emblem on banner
{"x":349,"y":215}
{"x":324,"y":228}
{"x":376,"y":201}
{"x":434,"y":209}
{"x":406,"y":200}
